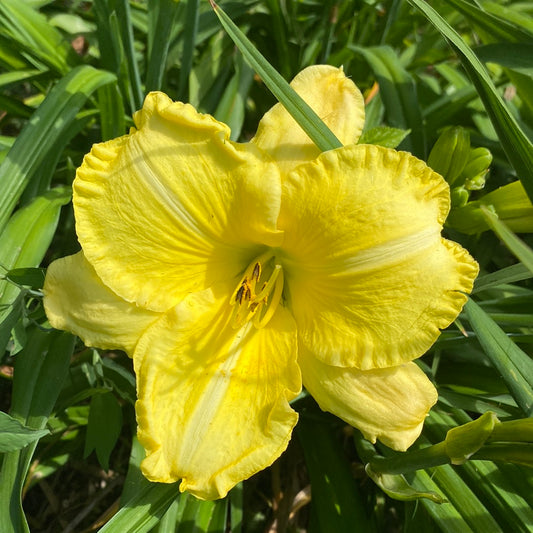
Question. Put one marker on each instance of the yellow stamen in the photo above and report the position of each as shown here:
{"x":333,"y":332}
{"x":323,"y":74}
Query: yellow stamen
{"x":261,"y":305}
{"x":262,"y":321}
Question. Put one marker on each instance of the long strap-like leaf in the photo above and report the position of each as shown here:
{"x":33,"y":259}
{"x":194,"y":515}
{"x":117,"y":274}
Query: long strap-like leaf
{"x":517,"y":146}
{"x":308,"y":120}
{"x":46,"y":126}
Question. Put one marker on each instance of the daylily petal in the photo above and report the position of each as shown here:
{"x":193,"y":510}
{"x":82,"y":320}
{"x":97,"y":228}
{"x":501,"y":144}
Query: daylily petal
{"x":76,"y":300}
{"x":369,"y":279}
{"x":213,"y":401}
{"x":389,"y":404}
{"x":175,"y":206}
{"x":333,"y":97}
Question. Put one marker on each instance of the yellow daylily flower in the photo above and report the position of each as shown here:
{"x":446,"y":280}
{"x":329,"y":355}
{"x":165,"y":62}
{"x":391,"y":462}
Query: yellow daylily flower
{"x":233,"y":273}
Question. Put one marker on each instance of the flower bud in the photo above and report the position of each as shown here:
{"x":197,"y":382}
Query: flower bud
{"x":510,"y":202}
{"x":473,"y":174}
{"x":459,"y":196}
{"x":450,"y":153}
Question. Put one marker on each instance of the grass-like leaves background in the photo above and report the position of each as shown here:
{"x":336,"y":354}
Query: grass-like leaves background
{"x":72,"y":72}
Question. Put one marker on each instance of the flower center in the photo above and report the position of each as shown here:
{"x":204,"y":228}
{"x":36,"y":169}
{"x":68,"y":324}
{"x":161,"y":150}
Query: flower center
{"x":258,"y":293}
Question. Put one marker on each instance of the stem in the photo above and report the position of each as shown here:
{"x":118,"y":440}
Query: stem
{"x":415,"y":460}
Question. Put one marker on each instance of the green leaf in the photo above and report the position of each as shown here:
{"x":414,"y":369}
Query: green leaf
{"x":518,"y":57}
{"x":495,"y":26}
{"x":10,"y":315}
{"x":236,"y":508}
{"x":26,"y":238}
{"x":206,"y":74}
{"x":103,"y":429}
{"x":192,"y":13}
{"x":8,"y":78}
{"x":505,"y":275}
{"x":72,"y":24}
{"x":23,"y":243}
{"x":31,"y":31}
{"x":504,"y":499}
{"x":384,"y":136}
{"x":511,"y":204}
{"x":169,"y":521}
{"x":515,"y":366}
{"x":519,"y":248}
{"x":337,"y":502}
{"x":142,"y":512}
{"x":396,"y":486}
{"x":280,"y":36}
{"x":232,"y":105}
{"x":15,"y":107}
{"x":111,"y":107}
{"x":135,"y":481}
{"x":219,"y":519}
{"x":194,"y":514}
{"x":463,"y":498}
{"x":126,"y":31}
{"x":117,"y":51}
{"x":122,"y":380}
{"x":308,"y":120}
{"x":447,"y":518}
{"x":515,"y":143}
{"x":513,"y":431}
{"x":398,"y":91}
{"x":521,"y":454}
{"x":40,"y":370}
{"x":46,"y":126}
{"x":161,"y":16}
{"x":519,"y":18}
{"x":14,"y":435}
{"x":109,"y":41}
{"x":30,"y":277}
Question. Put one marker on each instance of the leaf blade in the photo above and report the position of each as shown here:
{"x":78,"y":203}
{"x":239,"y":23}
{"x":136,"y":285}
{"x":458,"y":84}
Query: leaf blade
{"x":308,"y":120}
{"x":45,"y":127}
{"x":517,"y":146}
{"x":514,"y":365}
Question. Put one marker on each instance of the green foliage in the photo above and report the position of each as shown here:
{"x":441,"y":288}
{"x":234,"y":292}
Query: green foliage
{"x":103,"y":427}
{"x":399,"y":94}
{"x":72,"y":73}
{"x":14,"y":435}
{"x":321,"y":135}
{"x":337,"y":502}
{"x":384,"y":136}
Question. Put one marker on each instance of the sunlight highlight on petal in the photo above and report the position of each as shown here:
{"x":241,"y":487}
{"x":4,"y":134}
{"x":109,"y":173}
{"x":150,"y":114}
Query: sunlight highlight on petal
{"x":76,"y":300}
{"x":213,"y":401}
{"x":174,"y":206}
{"x":335,"y":99}
{"x":370,"y":281}
{"x":222,"y":267}
{"x":388,"y":404}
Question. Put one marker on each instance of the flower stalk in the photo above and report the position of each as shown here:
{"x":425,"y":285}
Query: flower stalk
{"x":483,"y":439}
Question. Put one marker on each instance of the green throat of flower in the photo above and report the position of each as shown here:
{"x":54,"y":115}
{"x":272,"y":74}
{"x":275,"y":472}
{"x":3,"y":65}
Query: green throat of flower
{"x":258,"y":293}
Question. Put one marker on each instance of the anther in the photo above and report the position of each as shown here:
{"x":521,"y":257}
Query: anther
{"x":247,"y":293}
{"x":256,"y":274}
{"x":240,"y":292}
{"x":248,"y":302}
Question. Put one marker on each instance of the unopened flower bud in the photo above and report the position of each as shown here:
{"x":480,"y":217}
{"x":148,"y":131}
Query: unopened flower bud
{"x":450,"y":153}
{"x":476,"y":168}
{"x":459,"y":196}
